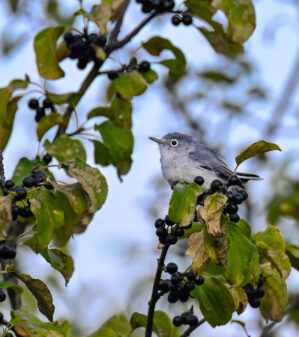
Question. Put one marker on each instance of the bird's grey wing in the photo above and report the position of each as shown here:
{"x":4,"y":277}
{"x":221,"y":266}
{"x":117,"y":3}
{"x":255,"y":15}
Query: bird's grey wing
{"x":210,"y":160}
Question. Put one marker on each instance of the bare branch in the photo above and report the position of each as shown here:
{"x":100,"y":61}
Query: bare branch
{"x":114,"y":34}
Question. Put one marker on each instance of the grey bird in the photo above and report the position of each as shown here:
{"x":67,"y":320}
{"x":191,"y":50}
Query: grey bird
{"x":183,"y":158}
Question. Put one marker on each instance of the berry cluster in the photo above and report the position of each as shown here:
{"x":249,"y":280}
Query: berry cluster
{"x":186,"y":318}
{"x":7,"y":252}
{"x":254,"y":295}
{"x":80,"y":46}
{"x":40,"y":109}
{"x":186,"y":19}
{"x":158,"y":6}
{"x":234,"y":197}
{"x":142,"y":67}
{"x":35,"y":179}
{"x":179,"y":285}
{"x":167,"y":231}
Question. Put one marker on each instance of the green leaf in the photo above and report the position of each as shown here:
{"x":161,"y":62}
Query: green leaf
{"x":241,"y":18}
{"x":120,"y":143}
{"x":45,"y":52}
{"x":18,"y":84}
{"x":245,"y":227}
{"x":72,"y":98}
{"x":91,"y":180}
{"x":116,"y":326}
{"x":5,"y":215}
{"x":240,"y":298}
{"x":162,"y":324}
{"x":195,"y":228}
{"x":46,"y":123}
{"x":120,"y":112}
{"x":49,"y":215}
{"x":293,"y":254}
{"x":150,"y":76}
{"x":7,"y":285}
{"x":182,"y":204}
{"x":243,"y":257}
{"x":65,"y":148}
{"x":211,"y":213}
{"x":24,"y":167}
{"x":215,"y":301}
{"x":256,"y":149}
{"x":271,"y":246}
{"x":273,"y":304}
{"x":60,"y":261}
{"x":41,"y":293}
{"x":157,"y":44}
{"x":219,"y":41}
{"x":101,"y":154}
{"x":130,"y":84}
{"x":34,"y":327}
{"x":201,"y":8}
{"x":8,"y":108}
{"x":217,"y":76}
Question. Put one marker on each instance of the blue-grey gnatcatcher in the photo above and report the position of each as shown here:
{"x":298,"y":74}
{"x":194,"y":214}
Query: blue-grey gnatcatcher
{"x":183,"y":158}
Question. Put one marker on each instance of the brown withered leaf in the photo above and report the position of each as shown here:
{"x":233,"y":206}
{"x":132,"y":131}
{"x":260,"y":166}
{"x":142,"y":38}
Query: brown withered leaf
{"x":211,"y":213}
{"x":5,"y":214}
{"x":197,"y":251}
{"x":100,"y":15}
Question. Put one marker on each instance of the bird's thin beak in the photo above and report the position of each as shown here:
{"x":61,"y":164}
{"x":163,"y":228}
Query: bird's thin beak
{"x":159,"y":141}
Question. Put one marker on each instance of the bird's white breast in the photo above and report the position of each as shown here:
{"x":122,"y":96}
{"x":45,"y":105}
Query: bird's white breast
{"x":177,"y":166}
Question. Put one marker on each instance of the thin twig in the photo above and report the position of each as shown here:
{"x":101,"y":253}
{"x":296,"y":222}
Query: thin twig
{"x":154,"y":297}
{"x":134,"y":32}
{"x":192,"y":328}
{"x":114,"y":34}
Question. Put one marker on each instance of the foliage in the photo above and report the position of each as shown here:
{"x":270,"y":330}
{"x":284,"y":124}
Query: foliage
{"x":224,"y":252}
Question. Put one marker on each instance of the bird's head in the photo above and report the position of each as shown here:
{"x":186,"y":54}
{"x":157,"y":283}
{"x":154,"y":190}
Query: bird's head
{"x":174,"y":142}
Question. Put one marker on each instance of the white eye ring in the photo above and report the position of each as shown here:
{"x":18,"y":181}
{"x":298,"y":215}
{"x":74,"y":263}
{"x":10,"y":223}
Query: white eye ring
{"x":174,"y":142}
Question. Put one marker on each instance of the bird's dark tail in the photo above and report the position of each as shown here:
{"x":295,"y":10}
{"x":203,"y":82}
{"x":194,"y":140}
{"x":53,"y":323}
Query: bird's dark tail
{"x":248,"y":176}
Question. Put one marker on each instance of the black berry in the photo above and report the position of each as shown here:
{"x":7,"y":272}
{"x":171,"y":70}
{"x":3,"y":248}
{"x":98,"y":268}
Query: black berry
{"x":176,"y":278}
{"x":216,"y":185}
{"x":199,"y":180}
{"x":25,"y":212}
{"x":189,"y":286}
{"x":4,"y":252}
{"x":176,"y":20}
{"x":144,"y":66}
{"x":171,"y":239}
{"x":244,"y":194}
{"x":33,"y":104}
{"x":234,"y":217}
{"x":191,"y":320}
{"x":161,"y":232}
{"x":179,"y":231}
{"x":2,"y":295}
{"x":21,"y":193}
{"x":254,"y":302}
{"x":173,"y":297}
{"x":238,"y":198}
{"x":177,"y":321}
{"x":68,"y":38}
{"x":190,"y":275}
{"x":234,"y":180}
{"x":28,"y":181}
{"x":232,"y":208}
{"x":199,"y":280}
{"x":164,"y":285}
{"x":9,"y":184}
{"x":187,"y":20}
{"x":168,"y":221}
{"x":47,"y":158}
{"x":230,"y":195}
{"x":171,"y":268}
{"x":47,"y":103}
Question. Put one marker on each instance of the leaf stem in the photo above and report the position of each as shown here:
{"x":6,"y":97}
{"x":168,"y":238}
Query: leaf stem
{"x":192,"y":328}
{"x":154,"y":297}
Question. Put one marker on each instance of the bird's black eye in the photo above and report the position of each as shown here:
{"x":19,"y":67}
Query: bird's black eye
{"x":174,"y":142}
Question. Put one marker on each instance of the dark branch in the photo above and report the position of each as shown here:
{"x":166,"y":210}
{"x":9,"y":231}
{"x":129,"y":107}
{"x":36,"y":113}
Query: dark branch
{"x":134,"y":32}
{"x":114,"y":34}
{"x":2,"y":175}
{"x":154,"y":297}
{"x":192,"y":328}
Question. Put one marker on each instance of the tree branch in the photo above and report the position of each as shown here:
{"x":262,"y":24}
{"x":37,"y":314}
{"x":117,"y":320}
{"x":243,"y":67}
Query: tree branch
{"x":2,"y":175}
{"x":114,"y":34}
{"x":192,"y":328}
{"x":154,"y":297}
{"x":134,"y":32}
